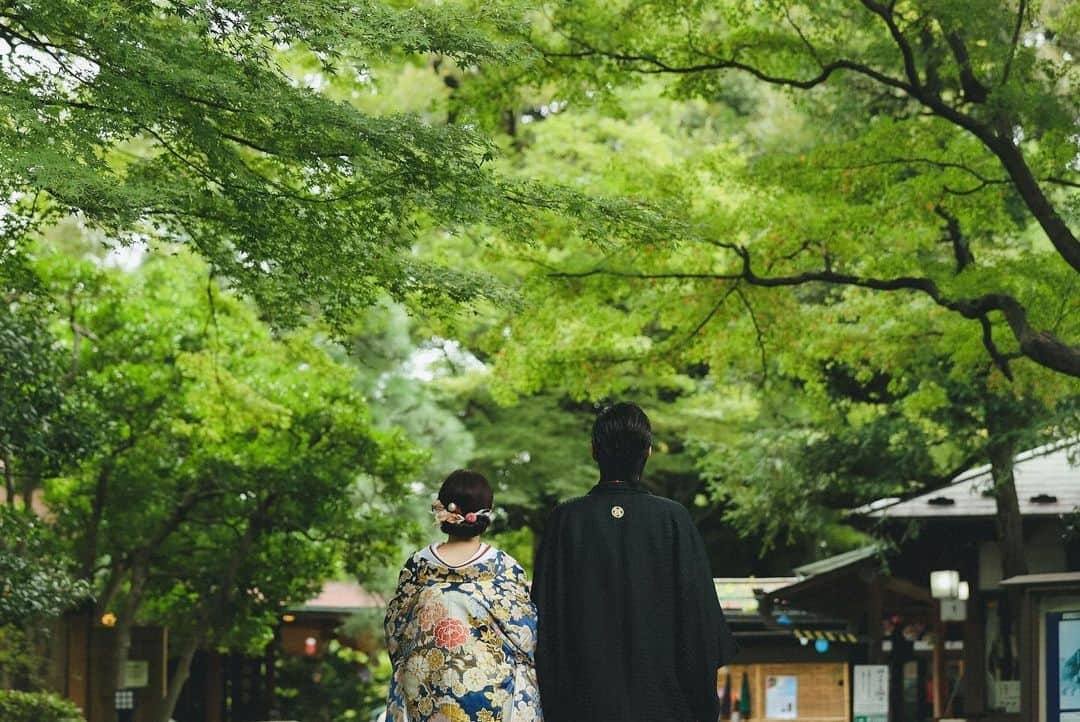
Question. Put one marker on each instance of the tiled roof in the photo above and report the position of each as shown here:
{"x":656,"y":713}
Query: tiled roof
{"x":736,"y":594}
{"x":1061,"y":579}
{"x":836,"y":562}
{"x":342,"y":597}
{"x":1047,"y":484}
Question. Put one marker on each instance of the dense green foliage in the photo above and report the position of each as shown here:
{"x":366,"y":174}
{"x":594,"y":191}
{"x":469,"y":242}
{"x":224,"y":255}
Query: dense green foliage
{"x":180,"y":120}
{"x":233,"y":469}
{"x":34,"y":579}
{"x":35,"y":586}
{"x":36,"y":707}
{"x":341,"y":686}
{"x":45,"y":428}
{"x":839,"y":290}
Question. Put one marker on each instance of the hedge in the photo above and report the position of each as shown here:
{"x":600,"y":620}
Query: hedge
{"x":36,"y":707}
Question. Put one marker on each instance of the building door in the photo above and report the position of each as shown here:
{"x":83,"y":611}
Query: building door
{"x":246,"y":689}
{"x":191,"y":707}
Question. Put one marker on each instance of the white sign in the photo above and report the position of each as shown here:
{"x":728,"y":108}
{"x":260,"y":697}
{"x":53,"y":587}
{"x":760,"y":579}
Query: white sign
{"x":871,"y":693}
{"x":136,"y":674}
{"x":953,"y":610}
{"x":781,"y":697}
{"x":1007,"y":695}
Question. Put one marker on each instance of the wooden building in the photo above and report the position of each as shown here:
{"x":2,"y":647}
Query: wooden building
{"x":222,"y":686}
{"x":796,"y":664}
{"x":950,"y":657}
{"x":228,"y":687}
{"x":79,"y":647}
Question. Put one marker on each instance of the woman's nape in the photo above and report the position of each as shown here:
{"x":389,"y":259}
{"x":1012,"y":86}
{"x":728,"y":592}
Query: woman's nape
{"x":457,"y":550}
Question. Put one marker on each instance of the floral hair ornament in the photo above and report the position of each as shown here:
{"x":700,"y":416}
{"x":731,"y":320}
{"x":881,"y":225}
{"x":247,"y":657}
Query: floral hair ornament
{"x":451,"y":514}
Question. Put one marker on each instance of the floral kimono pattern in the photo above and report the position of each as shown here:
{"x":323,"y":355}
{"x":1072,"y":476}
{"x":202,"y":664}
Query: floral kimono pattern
{"x":461,"y":640}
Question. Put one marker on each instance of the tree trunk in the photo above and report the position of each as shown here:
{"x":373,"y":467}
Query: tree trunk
{"x":9,"y":480}
{"x":111,"y":589}
{"x":1055,"y":227}
{"x":89,"y":552}
{"x":125,"y":620}
{"x":220,"y":600}
{"x":1010,"y":524}
{"x":164,"y":710}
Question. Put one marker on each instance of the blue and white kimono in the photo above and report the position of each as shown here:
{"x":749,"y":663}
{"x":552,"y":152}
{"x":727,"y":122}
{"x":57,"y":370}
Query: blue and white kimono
{"x":461,"y":640}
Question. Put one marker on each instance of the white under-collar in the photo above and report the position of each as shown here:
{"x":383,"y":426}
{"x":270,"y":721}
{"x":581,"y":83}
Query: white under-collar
{"x":484,"y":553}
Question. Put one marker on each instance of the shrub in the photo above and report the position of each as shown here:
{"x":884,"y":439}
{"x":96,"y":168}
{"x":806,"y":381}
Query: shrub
{"x":36,"y":707}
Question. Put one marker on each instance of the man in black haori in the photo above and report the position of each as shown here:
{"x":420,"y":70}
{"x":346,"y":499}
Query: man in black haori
{"x":629,"y":624}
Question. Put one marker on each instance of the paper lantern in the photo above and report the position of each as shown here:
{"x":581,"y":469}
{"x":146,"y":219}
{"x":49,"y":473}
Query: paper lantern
{"x":945,"y":584}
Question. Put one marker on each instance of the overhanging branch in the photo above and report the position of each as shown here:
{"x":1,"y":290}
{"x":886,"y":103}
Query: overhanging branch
{"x":653,"y":64}
{"x":1042,"y":347}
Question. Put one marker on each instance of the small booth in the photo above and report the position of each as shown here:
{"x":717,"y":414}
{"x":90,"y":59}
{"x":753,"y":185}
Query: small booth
{"x":792,"y":664}
{"x":1050,"y":626}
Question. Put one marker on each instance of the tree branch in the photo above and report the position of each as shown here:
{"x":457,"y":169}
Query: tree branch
{"x":1042,"y":347}
{"x":654,"y":65}
{"x":961,"y":247}
{"x":1021,"y":11}
{"x":759,"y":335}
{"x":974,"y":91}
{"x":999,"y":359}
{"x":911,"y":70}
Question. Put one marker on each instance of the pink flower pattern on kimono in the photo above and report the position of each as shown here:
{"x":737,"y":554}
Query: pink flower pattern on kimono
{"x":461,"y":642}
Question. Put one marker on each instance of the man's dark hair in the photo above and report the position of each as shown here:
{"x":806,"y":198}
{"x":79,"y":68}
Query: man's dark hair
{"x":621,"y":438}
{"x":468,"y":491}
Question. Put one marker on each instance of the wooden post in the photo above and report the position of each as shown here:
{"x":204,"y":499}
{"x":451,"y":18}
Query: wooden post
{"x":77,"y":684}
{"x":269,"y":680}
{"x":215,"y":687}
{"x":875,"y":614}
{"x":1029,"y":659}
{"x":975,"y":659}
{"x":938,"y":661}
{"x":848,"y":690}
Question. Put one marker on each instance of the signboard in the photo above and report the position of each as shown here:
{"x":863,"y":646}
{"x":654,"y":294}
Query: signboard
{"x":953,"y":610}
{"x":137,"y":674}
{"x":1063,"y":667}
{"x":1007,"y":695}
{"x":871,"y":693}
{"x":781,"y":697}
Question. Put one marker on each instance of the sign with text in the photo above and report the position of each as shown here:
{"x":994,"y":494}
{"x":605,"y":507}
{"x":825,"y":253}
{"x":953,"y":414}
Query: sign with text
{"x":781,"y":697}
{"x":953,"y":610}
{"x":136,"y":674}
{"x":1007,"y":695}
{"x":871,"y":693}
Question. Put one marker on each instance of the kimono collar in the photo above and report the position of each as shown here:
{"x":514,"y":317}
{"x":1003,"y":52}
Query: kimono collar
{"x":617,"y":487}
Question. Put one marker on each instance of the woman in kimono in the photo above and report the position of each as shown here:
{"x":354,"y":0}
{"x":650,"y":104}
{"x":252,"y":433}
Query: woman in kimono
{"x":461,"y":628}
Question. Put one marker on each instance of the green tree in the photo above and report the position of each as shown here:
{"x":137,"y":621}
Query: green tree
{"x":771,"y":191}
{"x":45,"y":423}
{"x":939,"y":137}
{"x":263,"y":137}
{"x":238,"y":470}
{"x":35,"y":586}
{"x":179,"y":119}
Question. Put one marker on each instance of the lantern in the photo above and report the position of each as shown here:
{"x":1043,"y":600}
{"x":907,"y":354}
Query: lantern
{"x":945,"y":584}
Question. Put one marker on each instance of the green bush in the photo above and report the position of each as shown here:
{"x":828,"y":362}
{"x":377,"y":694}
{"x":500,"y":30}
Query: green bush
{"x":36,"y":707}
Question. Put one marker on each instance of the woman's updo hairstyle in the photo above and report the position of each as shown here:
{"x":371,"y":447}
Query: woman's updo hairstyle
{"x":469,"y":492}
